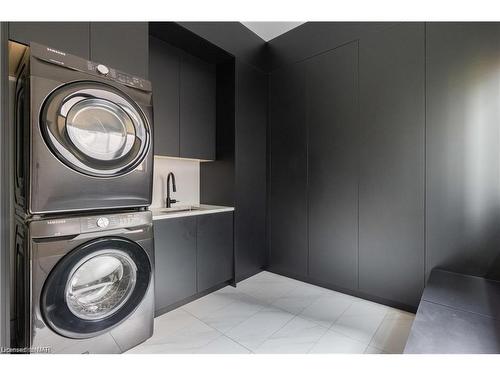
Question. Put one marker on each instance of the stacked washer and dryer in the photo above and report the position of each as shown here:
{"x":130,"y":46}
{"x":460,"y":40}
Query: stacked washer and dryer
{"x":84,"y":241}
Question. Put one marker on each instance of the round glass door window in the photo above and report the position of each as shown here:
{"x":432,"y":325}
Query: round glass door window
{"x":100,"y":285}
{"x":95,"y":129}
{"x":100,"y":129}
{"x":95,"y":287}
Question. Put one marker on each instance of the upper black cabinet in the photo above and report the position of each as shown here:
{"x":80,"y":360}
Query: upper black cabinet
{"x":70,"y":37}
{"x":184,"y":94}
{"x":164,"y":68}
{"x":332,"y":117}
{"x":122,"y":45}
{"x":391,"y":182}
{"x":197,"y":108}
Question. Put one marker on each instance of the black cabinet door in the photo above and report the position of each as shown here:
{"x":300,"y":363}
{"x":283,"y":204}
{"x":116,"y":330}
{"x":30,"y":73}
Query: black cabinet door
{"x":391,"y":188}
{"x":197,"y":108}
{"x":332,"y":117}
{"x":121,"y":45}
{"x":175,"y":260}
{"x":288,"y":176}
{"x":164,"y":70}
{"x":462,"y":151}
{"x":250,"y":173}
{"x":214,"y":250}
{"x":70,"y":37}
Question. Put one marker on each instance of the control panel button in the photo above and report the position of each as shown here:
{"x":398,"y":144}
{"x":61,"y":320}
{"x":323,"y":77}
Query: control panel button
{"x":103,"y":69}
{"x":102,"y":222}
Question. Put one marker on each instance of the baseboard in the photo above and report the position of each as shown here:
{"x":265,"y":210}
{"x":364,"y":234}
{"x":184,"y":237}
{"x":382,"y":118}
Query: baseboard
{"x":250,"y":274}
{"x":192,"y":298}
{"x":355,"y":293}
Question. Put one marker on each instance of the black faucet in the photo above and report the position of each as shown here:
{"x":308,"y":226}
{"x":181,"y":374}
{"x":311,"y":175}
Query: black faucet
{"x":169,"y":201}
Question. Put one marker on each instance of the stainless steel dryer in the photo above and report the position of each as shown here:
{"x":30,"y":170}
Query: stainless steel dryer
{"x":84,"y":135}
{"x":85,"y":283}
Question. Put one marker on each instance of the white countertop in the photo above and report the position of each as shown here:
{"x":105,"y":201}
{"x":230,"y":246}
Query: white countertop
{"x":203,"y":209}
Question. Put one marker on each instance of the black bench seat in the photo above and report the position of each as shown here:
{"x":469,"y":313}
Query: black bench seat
{"x":457,"y":314}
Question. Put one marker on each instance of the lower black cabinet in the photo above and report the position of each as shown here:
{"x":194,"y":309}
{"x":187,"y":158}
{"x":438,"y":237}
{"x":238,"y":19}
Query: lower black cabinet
{"x":214,"y":250}
{"x":175,"y":260}
{"x":192,"y":254}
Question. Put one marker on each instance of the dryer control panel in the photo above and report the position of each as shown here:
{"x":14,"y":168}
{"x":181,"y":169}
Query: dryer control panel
{"x":126,"y":79}
{"x":63,"y":59}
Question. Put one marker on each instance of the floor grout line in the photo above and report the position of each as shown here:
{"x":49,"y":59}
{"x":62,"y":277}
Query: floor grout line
{"x":238,"y":343}
{"x":268,"y":303}
{"x":268,"y":337}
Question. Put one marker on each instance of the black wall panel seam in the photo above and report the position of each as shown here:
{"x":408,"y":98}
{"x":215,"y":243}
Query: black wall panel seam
{"x":358,"y":155}
{"x":316,"y":55}
{"x":196,"y":254}
{"x":179,"y":65}
{"x":355,"y":39}
{"x":307,"y":167}
{"x":90,"y":42}
{"x":425,"y":154}
{"x":268,"y":176}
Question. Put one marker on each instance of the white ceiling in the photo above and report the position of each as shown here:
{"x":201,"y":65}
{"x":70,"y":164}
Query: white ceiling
{"x":270,"y":30}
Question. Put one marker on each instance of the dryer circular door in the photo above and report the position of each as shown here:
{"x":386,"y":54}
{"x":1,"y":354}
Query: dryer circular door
{"x":95,"y":287}
{"x":95,"y":129}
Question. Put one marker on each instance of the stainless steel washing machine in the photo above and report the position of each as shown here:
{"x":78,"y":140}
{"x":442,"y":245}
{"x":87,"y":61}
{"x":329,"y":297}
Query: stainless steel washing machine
{"x":83,"y":135}
{"x":84,"y":284}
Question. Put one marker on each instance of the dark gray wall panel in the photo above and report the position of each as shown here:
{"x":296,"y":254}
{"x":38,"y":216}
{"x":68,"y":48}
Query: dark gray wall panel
{"x":313,"y":38}
{"x":288,"y":175}
{"x":332,"y":117}
{"x":164,"y":68}
{"x":463,"y":143}
{"x":217,"y":177}
{"x":391,"y":188}
{"x":197,"y":108}
{"x":250,"y":178}
{"x":183,"y":38}
{"x":122,"y":45}
{"x":70,"y":37}
{"x":234,"y":38}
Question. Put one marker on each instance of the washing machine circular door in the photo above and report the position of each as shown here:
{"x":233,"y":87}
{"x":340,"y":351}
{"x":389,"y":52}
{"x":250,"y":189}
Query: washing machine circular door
{"x":95,"y":287}
{"x":95,"y":129}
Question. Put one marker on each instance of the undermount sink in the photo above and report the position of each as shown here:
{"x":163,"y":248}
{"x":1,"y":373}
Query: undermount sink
{"x":180,"y":208}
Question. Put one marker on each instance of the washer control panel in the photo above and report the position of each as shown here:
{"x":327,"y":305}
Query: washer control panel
{"x":75,"y":225}
{"x":108,"y":222}
{"x":102,"y":222}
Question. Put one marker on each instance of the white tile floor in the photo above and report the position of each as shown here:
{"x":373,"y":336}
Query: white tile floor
{"x":268,"y":313}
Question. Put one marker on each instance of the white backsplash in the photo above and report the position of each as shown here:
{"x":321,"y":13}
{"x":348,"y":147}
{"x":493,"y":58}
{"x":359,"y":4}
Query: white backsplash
{"x":187,"y":180}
